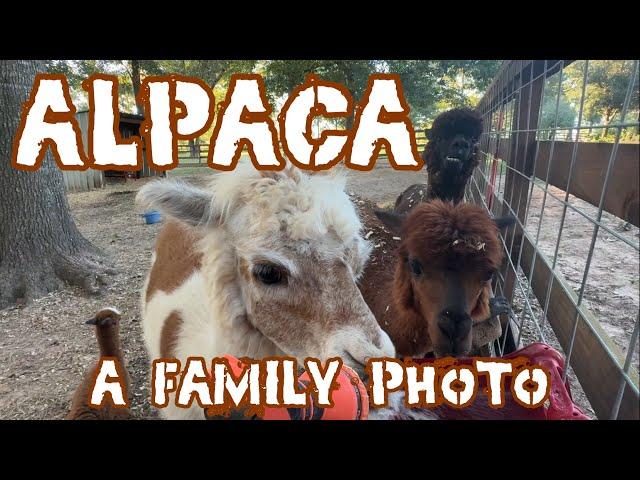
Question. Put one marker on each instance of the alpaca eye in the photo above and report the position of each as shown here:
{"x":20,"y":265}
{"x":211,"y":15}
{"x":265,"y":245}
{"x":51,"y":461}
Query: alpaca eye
{"x":416,"y":267}
{"x":489,"y":275}
{"x":269,"y":274}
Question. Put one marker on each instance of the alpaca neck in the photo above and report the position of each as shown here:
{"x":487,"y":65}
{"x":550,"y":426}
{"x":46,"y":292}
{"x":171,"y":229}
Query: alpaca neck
{"x":446,"y":190}
{"x":250,"y":342}
{"x":109,"y":341}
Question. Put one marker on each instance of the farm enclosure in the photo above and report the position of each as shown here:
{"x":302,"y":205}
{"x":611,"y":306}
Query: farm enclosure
{"x":537,"y":166}
{"x":572,"y":267}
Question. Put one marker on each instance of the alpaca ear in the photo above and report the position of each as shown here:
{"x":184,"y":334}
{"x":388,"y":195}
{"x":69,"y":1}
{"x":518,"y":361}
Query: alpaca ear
{"x":504,"y":222}
{"x":391,"y":220}
{"x":179,"y":200}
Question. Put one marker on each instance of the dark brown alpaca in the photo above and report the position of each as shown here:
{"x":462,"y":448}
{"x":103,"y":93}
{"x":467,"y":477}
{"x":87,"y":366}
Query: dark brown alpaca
{"x":450,"y":156}
{"x":428,"y":297}
{"x":107,"y":324}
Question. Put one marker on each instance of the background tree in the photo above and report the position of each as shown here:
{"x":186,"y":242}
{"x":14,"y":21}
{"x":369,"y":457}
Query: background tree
{"x":41,"y":248}
{"x":557,"y":113}
{"x":282,"y":76}
{"x":565,"y":118}
{"x":424,"y":83}
{"x":130,"y":74}
{"x":607,"y":85}
{"x":429,"y":85}
{"x":213,"y":72}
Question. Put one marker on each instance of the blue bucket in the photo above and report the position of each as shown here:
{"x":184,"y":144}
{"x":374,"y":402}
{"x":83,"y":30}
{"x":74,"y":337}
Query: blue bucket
{"x":152,"y":217}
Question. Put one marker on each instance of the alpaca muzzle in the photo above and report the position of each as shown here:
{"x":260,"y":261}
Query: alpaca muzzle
{"x":455,"y":329}
{"x":355,"y":348}
{"x":453,"y":164}
{"x":101,"y":321}
{"x":458,"y":152}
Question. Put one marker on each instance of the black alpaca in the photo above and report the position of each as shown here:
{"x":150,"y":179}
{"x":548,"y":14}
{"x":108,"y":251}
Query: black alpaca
{"x":450,"y":156}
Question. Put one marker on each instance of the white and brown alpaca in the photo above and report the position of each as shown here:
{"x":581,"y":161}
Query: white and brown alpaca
{"x":107,"y":323}
{"x":258,"y":264}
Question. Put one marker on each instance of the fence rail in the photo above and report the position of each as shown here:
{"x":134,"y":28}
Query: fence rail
{"x":527,"y":172}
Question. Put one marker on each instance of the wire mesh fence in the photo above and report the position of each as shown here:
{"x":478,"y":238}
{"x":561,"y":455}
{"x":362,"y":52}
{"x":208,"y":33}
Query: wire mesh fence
{"x":560,"y":153}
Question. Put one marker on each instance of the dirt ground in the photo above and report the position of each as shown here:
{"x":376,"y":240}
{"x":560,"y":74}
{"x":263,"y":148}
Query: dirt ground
{"x":45,"y":347}
{"x":611,"y":288}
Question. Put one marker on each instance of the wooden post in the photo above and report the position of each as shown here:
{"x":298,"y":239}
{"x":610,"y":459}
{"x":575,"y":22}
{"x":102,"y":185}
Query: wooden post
{"x":516,"y":192}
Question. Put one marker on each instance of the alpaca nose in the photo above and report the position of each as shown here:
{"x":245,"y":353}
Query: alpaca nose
{"x":461,"y":144}
{"x":356,"y":348}
{"x":455,"y":325}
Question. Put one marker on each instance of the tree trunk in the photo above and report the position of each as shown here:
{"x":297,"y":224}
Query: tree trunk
{"x":349,"y":121}
{"x":135,"y":81}
{"x":194,"y":149}
{"x":608,"y":115}
{"x":41,"y":248}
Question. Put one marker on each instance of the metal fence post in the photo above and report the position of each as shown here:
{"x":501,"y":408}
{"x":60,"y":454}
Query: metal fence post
{"x":527,"y":110}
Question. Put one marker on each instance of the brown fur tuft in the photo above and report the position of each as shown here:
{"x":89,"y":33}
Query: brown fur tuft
{"x":452,"y":236}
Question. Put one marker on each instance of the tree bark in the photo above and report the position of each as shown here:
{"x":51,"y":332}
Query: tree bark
{"x":349,"y":121}
{"x":194,"y":149}
{"x":41,"y":248}
{"x":608,"y":116}
{"x":135,"y":81}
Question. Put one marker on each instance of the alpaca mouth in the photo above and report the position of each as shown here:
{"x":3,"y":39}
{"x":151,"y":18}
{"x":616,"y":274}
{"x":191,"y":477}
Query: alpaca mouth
{"x":453,"y":165}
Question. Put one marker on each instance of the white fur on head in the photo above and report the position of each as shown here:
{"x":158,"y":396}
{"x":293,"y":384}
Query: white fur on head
{"x":263,"y":208}
{"x":303,"y":224}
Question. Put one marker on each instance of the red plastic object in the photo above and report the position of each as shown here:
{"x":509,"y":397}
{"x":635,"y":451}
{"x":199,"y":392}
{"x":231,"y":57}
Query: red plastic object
{"x":561,"y":406}
{"x":350,"y":399}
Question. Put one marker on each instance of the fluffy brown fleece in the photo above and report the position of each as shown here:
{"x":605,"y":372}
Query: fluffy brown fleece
{"x":451,"y":236}
{"x":442,"y":235}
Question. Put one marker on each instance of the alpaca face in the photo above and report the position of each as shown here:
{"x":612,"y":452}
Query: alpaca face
{"x":450,"y":155}
{"x":447,"y":255}
{"x":308,"y":304}
{"x":284,"y":250}
{"x":451,"y":160}
{"x":453,"y":155}
{"x":449,"y":302}
{"x":300,"y":252}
